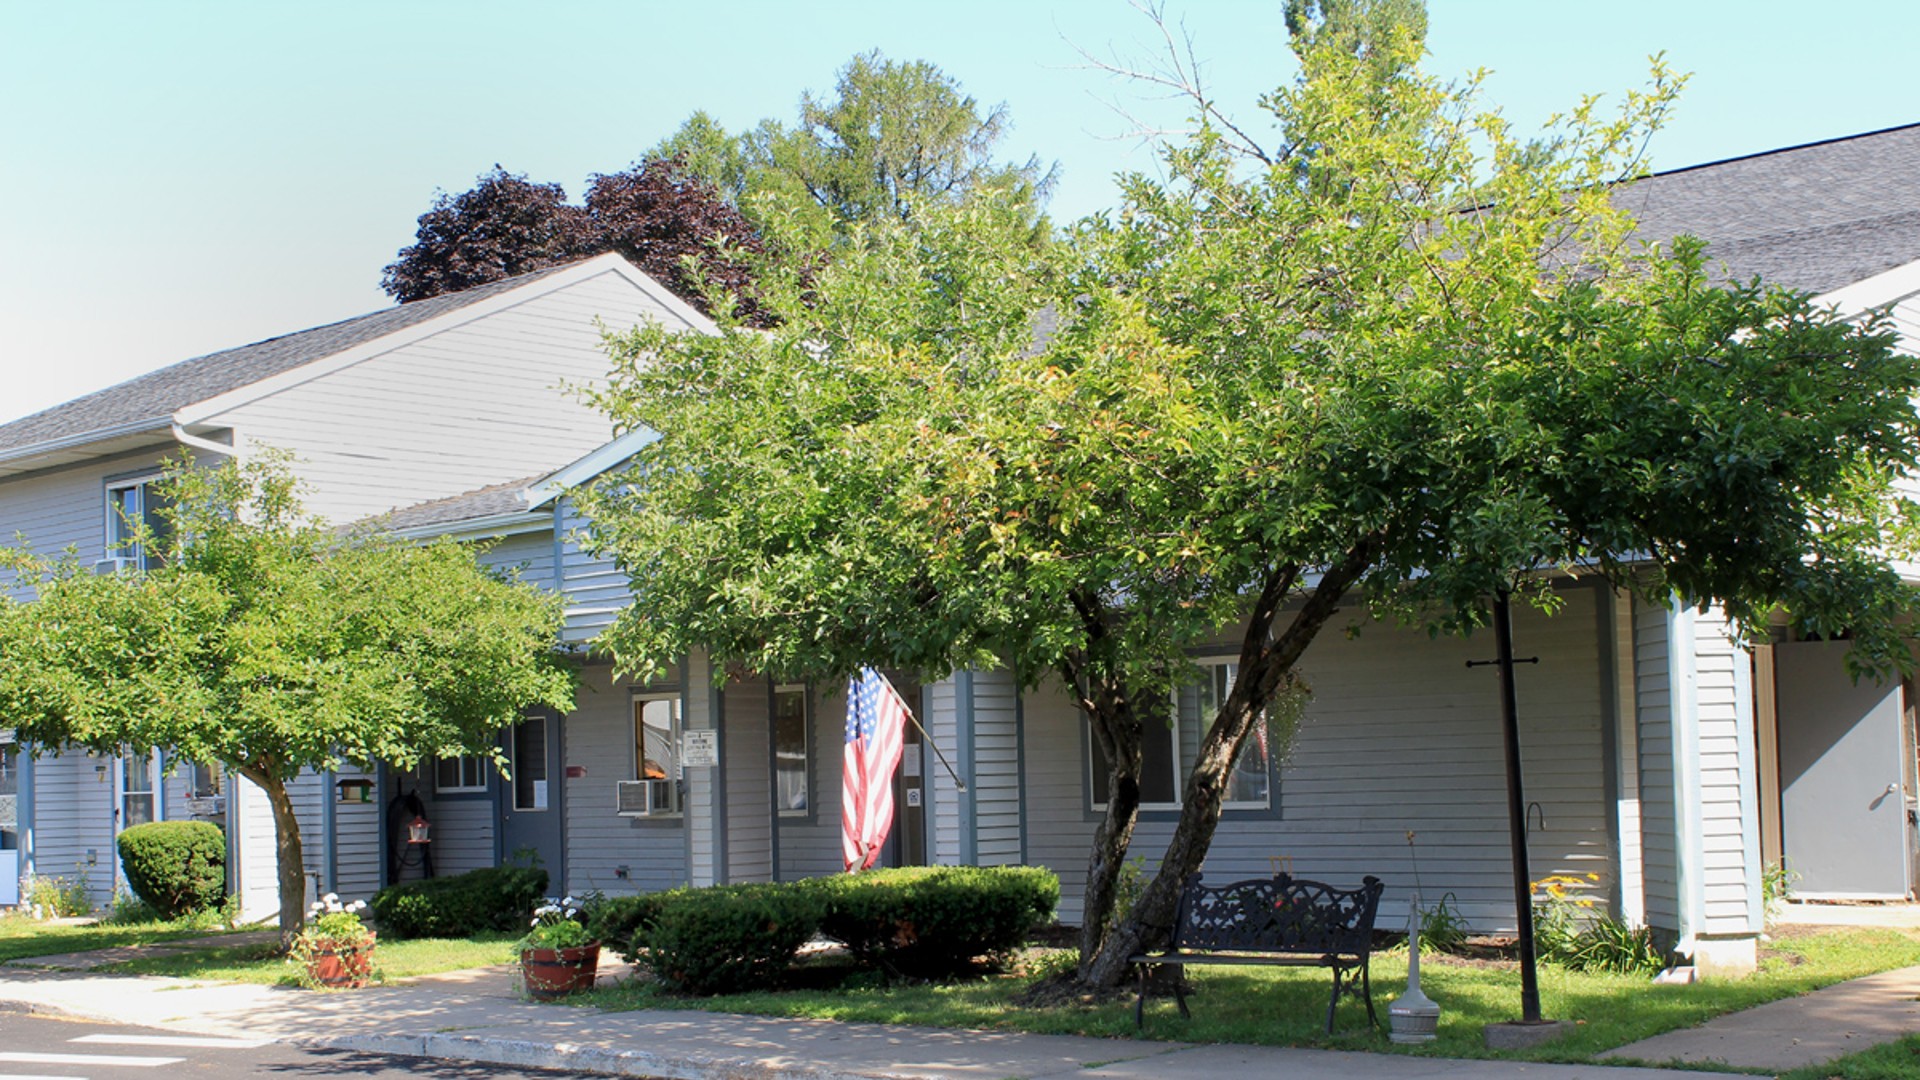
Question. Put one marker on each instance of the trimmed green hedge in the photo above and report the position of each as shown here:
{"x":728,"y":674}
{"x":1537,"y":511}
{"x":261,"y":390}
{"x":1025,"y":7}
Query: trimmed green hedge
{"x":616,"y":921}
{"x":498,"y":898}
{"x":926,"y":921}
{"x":917,"y":921}
{"x":725,"y":938}
{"x":178,"y":867}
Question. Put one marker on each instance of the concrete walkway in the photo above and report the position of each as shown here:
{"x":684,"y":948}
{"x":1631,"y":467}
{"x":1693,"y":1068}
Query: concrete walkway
{"x":1844,"y":1018}
{"x":475,"y":1016}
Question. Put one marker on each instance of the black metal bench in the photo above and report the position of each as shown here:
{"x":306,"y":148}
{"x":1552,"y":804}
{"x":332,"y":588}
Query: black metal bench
{"x":1280,"y":920}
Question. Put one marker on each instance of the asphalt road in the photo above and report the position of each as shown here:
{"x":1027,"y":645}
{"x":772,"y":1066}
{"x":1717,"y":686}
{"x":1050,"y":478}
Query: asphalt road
{"x":48,"y":1048}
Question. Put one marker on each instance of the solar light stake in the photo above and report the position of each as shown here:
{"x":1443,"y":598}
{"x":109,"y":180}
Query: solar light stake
{"x":1413,"y":1017}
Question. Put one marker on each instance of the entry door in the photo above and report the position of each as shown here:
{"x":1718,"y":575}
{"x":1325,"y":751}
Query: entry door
{"x":907,"y":843}
{"x":530,"y":802}
{"x":1843,"y":813}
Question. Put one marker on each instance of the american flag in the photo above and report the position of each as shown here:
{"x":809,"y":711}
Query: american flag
{"x":876,"y":733}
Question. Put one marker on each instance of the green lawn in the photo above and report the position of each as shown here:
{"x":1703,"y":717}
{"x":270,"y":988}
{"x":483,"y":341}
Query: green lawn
{"x":22,"y":937}
{"x":392,"y":959}
{"x":1286,"y":1006}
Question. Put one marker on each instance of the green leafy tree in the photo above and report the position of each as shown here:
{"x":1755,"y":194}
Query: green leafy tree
{"x":1404,"y":361}
{"x":271,"y":643}
{"x":894,"y":133}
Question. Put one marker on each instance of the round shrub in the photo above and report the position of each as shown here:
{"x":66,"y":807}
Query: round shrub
{"x":727,"y":938}
{"x":926,"y":921}
{"x":178,"y":867}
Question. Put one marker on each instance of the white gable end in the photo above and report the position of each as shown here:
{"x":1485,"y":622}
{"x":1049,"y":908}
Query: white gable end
{"x":461,"y":407}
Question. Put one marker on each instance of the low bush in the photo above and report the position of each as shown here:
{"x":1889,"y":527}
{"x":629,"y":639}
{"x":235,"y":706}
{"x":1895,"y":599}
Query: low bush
{"x":178,"y":867}
{"x":725,"y":938}
{"x":927,"y":921}
{"x":57,"y":897}
{"x":497,"y":898}
{"x":615,"y":920}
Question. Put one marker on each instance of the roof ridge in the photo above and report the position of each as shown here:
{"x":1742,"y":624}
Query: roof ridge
{"x":1777,"y":150}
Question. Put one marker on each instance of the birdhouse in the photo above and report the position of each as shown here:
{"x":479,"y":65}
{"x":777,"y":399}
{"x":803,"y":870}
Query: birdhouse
{"x":418,"y":831}
{"x":355,"y":789}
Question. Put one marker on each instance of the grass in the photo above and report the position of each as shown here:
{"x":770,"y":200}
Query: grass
{"x":392,"y":959}
{"x":1891,"y":1061}
{"x":23,"y":937}
{"x":1287,"y":1006}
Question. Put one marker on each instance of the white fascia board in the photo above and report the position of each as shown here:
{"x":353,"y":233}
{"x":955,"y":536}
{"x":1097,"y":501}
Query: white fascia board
{"x":1888,"y":287}
{"x":485,"y":528}
{"x":68,"y":442}
{"x":551,"y":486}
{"x":560,"y":279}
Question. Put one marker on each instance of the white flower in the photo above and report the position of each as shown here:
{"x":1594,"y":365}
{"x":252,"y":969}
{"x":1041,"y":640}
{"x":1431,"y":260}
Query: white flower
{"x":331,"y":898}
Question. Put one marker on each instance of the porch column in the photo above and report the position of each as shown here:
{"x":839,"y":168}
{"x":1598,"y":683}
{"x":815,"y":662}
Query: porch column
{"x":704,"y":803}
{"x":1702,"y":836}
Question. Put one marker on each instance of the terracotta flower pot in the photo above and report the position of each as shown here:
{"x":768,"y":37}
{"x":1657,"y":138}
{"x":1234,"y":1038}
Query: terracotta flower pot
{"x":343,"y":967}
{"x":555,"y":973}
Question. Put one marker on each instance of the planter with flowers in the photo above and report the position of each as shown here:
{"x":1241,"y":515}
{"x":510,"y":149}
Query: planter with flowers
{"x":558,"y":956}
{"x":335,"y":946}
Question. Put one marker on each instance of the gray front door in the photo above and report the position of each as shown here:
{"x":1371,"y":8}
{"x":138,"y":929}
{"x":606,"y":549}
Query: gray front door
{"x":530,"y":818}
{"x":1843,"y":814}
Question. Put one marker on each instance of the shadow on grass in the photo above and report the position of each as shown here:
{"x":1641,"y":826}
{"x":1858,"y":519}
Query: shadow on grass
{"x":1287,"y":1006}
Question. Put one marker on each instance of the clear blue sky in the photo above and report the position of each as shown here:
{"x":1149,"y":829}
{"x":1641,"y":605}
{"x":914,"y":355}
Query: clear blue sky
{"x":182,"y":177}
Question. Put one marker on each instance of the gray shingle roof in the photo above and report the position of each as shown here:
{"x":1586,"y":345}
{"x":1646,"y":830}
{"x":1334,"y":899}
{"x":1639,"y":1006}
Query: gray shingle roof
{"x":1813,"y":217}
{"x":489,"y":501}
{"x":160,"y":393}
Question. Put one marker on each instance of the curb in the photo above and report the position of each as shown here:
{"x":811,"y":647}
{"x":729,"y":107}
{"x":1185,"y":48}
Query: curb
{"x":527,"y":1054}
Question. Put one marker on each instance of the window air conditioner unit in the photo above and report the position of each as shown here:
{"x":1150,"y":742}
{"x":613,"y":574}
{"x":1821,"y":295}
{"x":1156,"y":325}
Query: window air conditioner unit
{"x":113,"y":564}
{"x":643,"y":798}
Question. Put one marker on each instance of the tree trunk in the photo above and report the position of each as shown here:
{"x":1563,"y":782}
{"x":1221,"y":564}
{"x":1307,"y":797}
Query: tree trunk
{"x":1116,"y":728}
{"x":1264,"y":668}
{"x":291,"y":862}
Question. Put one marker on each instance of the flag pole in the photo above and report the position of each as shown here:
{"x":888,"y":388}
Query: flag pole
{"x":959,"y":784}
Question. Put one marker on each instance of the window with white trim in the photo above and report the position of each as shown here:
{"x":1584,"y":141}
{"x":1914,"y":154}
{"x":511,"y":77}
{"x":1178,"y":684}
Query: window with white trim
{"x":790,"y":789}
{"x":136,"y":790}
{"x":1168,"y":749}
{"x":459,"y":775}
{"x":656,"y":747}
{"x":137,"y":529}
{"x":203,"y":781}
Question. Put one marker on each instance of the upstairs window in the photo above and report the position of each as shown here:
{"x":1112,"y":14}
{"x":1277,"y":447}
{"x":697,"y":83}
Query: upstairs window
{"x":134,"y":508}
{"x":1169,"y":747}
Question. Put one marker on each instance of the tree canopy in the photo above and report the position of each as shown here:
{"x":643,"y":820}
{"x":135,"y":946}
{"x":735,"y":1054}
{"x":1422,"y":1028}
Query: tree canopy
{"x":1403,"y":358}
{"x":270,"y":643}
{"x":894,"y":133}
{"x":660,"y":215}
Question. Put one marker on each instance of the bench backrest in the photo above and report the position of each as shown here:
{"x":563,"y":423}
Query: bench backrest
{"x":1277,"y":914}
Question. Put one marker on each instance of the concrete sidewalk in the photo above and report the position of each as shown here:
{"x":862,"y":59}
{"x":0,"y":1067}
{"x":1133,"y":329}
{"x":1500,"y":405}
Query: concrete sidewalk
{"x":1844,"y":1018}
{"x":476,"y":1016}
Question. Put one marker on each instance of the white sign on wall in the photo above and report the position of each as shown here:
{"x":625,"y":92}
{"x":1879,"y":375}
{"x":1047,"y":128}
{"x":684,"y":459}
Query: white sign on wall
{"x":699,"y":749}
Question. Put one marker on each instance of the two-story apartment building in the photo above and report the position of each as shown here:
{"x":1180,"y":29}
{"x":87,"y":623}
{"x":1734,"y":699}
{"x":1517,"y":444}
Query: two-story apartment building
{"x":1659,"y":756}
